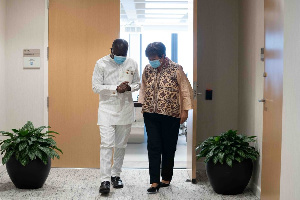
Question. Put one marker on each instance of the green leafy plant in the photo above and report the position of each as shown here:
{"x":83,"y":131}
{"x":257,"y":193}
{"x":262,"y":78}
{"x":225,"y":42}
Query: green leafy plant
{"x":29,"y":143}
{"x":227,"y":147}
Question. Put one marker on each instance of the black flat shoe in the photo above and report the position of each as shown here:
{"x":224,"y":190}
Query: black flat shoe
{"x":104,"y":187}
{"x":116,"y":182}
{"x":161,"y":184}
{"x":153,"y":190}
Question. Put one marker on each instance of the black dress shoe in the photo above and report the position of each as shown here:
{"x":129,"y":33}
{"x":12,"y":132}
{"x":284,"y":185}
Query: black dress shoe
{"x":161,"y":184}
{"x":153,"y":190}
{"x":116,"y":182}
{"x":104,"y":187}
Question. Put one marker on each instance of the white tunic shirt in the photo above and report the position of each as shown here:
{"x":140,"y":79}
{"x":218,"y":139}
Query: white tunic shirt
{"x":115,"y":108}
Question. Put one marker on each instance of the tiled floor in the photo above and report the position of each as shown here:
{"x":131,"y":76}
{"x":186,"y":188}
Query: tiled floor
{"x":83,"y":184}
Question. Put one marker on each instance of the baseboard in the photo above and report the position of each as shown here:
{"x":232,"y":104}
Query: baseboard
{"x":255,"y":189}
{"x":200,"y":166}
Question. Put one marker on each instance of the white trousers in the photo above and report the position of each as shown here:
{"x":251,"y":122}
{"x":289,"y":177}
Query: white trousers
{"x":116,"y":137}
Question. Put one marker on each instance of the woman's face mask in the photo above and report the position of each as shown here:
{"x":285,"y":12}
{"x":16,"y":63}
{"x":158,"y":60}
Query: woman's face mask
{"x":119,"y":59}
{"x":154,"y":63}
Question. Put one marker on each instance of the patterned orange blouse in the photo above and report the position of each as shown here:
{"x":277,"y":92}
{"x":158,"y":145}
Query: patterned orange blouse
{"x":165,"y":92}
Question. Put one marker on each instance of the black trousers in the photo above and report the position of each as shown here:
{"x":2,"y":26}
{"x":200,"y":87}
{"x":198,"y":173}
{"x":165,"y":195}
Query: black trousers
{"x":162,"y":134}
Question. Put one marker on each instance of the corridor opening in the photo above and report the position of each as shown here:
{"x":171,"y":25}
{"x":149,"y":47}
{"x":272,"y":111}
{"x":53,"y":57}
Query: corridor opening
{"x":169,"y":22}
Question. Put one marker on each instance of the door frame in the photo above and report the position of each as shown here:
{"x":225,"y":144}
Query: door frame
{"x":192,"y":119}
{"x":193,"y":113}
{"x":273,"y":97}
{"x":46,"y":52}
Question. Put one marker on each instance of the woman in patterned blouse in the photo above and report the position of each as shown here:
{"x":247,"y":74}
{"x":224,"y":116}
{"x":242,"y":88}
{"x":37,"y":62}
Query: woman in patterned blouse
{"x":166,"y":95}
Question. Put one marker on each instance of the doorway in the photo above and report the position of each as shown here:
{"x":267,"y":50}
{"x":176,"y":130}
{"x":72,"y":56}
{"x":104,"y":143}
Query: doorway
{"x":143,"y":22}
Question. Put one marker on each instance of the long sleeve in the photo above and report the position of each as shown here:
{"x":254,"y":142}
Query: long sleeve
{"x":135,"y":85}
{"x":142,"y":89}
{"x":98,"y":82}
{"x":186,"y":91}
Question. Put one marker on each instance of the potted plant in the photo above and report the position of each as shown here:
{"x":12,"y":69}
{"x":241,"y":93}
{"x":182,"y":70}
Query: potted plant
{"x":27,"y":155}
{"x":228,"y":159}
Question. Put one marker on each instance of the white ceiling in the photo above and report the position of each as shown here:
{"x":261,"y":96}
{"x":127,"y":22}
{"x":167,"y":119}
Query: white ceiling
{"x":154,"y":14}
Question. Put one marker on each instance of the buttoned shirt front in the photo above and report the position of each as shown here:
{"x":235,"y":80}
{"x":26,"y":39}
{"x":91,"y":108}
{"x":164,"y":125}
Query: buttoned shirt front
{"x":115,"y":108}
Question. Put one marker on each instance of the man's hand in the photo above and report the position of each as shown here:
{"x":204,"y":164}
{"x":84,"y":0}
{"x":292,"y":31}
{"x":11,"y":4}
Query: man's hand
{"x":123,"y":87}
{"x":183,"y":116}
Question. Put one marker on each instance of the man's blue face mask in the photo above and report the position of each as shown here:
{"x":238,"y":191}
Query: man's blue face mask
{"x":154,"y":63}
{"x":119,"y":59}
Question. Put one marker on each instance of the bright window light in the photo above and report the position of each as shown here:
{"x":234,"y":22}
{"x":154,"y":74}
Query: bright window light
{"x":160,"y":21}
{"x":164,"y":16}
{"x":165,"y":0}
{"x":166,"y":11}
{"x":165,"y":5}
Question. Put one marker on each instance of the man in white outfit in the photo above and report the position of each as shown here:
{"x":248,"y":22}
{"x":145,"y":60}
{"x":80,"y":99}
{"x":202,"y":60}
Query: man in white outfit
{"x":115,"y":77}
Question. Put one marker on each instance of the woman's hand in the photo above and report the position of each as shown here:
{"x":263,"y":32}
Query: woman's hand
{"x":183,"y":116}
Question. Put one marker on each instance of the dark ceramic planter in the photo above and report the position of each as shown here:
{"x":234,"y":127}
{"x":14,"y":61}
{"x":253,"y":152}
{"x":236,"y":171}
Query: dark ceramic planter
{"x":229,"y":180}
{"x":31,"y":176}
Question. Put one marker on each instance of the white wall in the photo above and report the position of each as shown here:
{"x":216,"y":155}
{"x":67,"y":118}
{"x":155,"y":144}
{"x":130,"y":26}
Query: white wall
{"x":251,"y":81}
{"x":217,"y":66}
{"x":2,"y":68}
{"x":2,"y":63}
{"x":290,"y":162}
{"x":25,"y":95}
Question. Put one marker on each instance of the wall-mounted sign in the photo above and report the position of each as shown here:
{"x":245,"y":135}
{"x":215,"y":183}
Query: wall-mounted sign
{"x":31,"y":59}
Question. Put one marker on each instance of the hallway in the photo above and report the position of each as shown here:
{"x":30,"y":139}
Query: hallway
{"x":64,"y":184}
{"x":136,"y":156}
